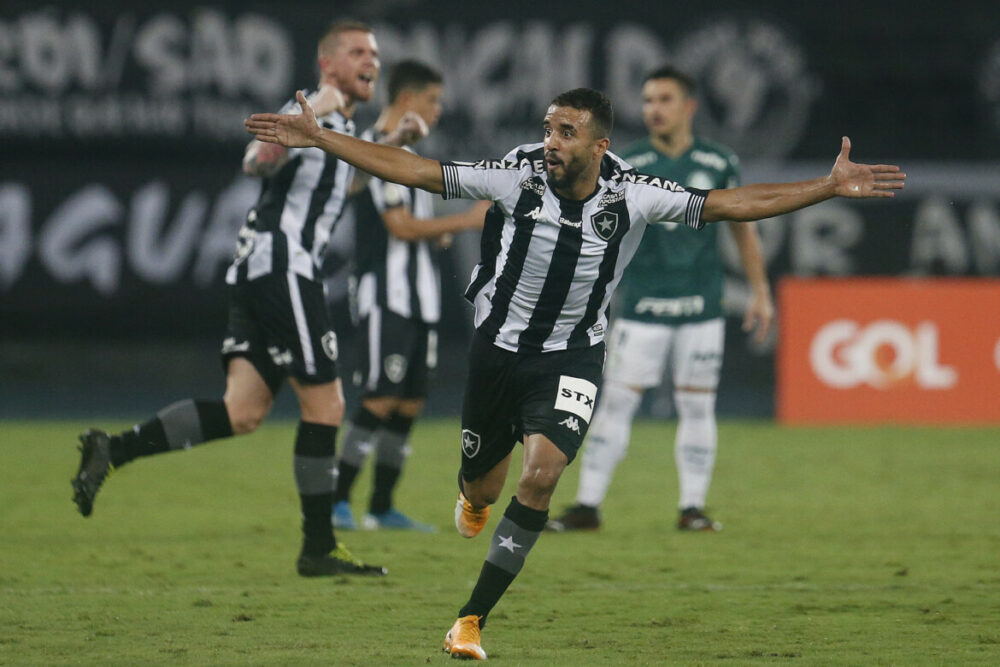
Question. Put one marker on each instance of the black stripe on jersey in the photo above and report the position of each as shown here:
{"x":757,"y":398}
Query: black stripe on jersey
{"x":509,"y":276}
{"x":606,"y":272}
{"x":411,"y":267}
{"x":489,"y":249}
{"x":558,"y":278}
{"x":279,"y":252}
{"x":273,"y":193}
{"x":320,"y":196}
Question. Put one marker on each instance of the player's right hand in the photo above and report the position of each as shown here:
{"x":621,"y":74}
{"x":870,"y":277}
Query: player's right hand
{"x":292,"y":130}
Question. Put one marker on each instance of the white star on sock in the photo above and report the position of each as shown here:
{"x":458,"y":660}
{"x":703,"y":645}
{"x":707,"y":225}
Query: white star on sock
{"x":508,"y":543}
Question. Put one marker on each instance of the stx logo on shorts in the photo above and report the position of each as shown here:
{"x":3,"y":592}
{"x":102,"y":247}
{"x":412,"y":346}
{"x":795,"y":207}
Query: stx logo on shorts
{"x":571,"y":423}
{"x":576,"y":395}
{"x":280,"y":357}
{"x":470,"y":443}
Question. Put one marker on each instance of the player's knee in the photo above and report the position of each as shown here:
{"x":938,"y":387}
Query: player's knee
{"x":245,"y":419}
{"x":539,"y":480}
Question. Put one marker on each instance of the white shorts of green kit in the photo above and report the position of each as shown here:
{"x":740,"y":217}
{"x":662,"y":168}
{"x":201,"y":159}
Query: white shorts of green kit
{"x":639,"y":353}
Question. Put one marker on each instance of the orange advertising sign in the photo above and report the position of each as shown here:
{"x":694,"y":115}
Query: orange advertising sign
{"x":923,"y":351}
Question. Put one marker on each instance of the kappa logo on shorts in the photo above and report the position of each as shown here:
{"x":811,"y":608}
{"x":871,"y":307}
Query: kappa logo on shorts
{"x":329,"y":342}
{"x":571,"y":423}
{"x":470,"y":443}
{"x":280,"y":357}
{"x":395,"y":368}
{"x":576,"y":395}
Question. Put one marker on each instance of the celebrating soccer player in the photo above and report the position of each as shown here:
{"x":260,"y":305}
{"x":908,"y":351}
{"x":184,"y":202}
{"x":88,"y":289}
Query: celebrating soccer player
{"x":570,"y":218}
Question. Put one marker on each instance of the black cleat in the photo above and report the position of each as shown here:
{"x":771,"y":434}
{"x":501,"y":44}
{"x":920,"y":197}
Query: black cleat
{"x":694,"y":519}
{"x":339,"y":561}
{"x":95,"y":466}
{"x":577,"y":517}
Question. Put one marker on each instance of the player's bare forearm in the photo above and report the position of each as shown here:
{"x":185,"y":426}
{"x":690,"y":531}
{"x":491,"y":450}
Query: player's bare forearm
{"x":386,"y":162}
{"x":751,"y":255}
{"x":764,"y":200}
{"x":264,"y":160}
{"x":846,"y":179}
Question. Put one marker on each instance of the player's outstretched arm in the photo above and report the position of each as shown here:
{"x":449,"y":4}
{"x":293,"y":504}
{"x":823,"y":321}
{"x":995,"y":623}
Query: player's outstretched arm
{"x":386,"y":162}
{"x":846,"y":179}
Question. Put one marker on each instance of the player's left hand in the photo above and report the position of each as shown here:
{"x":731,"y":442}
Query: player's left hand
{"x":851,"y":179}
{"x":759,"y":315}
{"x":410,"y":129}
{"x":292,"y":130}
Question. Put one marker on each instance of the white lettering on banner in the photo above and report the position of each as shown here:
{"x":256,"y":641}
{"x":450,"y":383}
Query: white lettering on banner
{"x":15,"y":231}
{"x":68,"y":247}
{"x":996,"y":354}
{"x":844,"y":355}
{"x":157,"y":256}
{"x":822,"y":237}
{"x":937,"y":238}
{"x":77,"y":242}
{"x":576,"y":395}
{"x":198,"y":73}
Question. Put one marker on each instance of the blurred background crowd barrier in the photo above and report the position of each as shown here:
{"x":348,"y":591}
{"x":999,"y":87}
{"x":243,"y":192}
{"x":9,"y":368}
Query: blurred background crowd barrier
{"x":121,"y":138}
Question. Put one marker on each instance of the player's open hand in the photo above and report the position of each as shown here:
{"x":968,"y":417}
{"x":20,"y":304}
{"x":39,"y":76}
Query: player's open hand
{"x":292,"y":130}
{"x":864,"y":180}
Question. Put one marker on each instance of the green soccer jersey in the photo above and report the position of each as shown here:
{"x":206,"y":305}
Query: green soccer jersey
{"x":676,"y":274}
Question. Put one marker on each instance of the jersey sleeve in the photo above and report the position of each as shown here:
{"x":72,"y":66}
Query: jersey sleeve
{"x":486,"y":179}
{"x":657,"y":204}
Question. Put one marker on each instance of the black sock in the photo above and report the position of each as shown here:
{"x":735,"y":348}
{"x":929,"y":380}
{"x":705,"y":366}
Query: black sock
{"x":515,"y":535}
{"x":315,"y":478}
{"x":390,"y":457}
{"x":359,"y":439}
{"x":178,"y":426}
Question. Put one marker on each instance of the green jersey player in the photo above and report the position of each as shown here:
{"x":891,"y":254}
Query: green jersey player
{"x":671,"y":313}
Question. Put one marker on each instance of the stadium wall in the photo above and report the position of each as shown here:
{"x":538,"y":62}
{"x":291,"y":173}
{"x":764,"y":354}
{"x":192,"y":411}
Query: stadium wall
{"x":120,"y":191}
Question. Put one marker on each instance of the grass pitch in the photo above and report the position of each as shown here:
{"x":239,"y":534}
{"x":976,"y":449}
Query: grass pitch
{"x":841,"y":546}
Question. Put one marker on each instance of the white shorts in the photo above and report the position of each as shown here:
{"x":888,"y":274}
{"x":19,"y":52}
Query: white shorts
{"x":639,"y":352}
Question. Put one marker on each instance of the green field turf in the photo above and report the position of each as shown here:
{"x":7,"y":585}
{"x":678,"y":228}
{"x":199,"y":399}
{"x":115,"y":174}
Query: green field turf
{"x":841,"y":546}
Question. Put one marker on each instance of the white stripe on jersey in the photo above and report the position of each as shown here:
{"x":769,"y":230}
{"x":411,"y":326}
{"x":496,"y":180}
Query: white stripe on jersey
{"x":374,"y":345}
{"x":301,"y":325}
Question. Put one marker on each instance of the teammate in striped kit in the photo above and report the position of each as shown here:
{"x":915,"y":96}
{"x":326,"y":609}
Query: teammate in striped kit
{"x":399,"y":304}
{"x":572,"y":216}
{"x":279,"y":326}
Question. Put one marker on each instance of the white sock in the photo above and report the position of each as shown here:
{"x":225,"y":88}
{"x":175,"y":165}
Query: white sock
{"x":695,"y":445}
{"x":607,"y":441}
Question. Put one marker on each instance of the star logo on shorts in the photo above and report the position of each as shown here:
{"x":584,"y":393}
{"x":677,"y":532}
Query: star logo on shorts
{"x":605,"y":224}
{"x":470,"y":443}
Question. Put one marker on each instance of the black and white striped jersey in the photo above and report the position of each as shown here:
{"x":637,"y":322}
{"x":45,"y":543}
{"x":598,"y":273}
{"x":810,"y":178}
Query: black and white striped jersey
{"x":288,"y":228}
{"x":550,"y":265}
{"x":401,"y":276}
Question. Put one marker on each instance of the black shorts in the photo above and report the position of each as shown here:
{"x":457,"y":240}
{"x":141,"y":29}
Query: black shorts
{"x":281,"y":324}
{"x":510,"y":395}
{"x":395,"y":355}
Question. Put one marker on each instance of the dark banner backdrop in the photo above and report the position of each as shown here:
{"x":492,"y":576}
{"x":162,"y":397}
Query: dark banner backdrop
{"x":121,"y":135}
